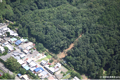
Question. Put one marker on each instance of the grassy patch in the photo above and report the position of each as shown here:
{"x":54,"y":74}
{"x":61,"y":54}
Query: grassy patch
{"x":1,"y":71}
{"x":66,"y":76}
{"x":49,"y":56}
{"x":43,"y":59}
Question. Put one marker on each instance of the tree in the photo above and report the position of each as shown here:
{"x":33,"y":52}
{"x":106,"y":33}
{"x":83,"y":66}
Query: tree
{"x":12,"y":64}
{"x":22,"y":71}
{"x":8,"y":34}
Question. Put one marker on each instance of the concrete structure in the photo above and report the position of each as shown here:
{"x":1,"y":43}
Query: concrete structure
{"x":25,"y":77}
{"x":10,"y":47}
{"x":12,"y":40}
{"x":4,"y":29}
{"x":43,"y":62}
{"x":26,"y":51}
{"x":25,"y":45}
{"x":32,"y":64}
{"x":2,"y":50}
{"x":20,"y":61}
{"x":76,"y":78}
{"x":18,"y":42}
{"x":49,"y":69}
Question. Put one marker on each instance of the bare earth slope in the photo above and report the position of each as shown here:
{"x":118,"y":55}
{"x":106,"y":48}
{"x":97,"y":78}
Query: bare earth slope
{"x":63,"y":54}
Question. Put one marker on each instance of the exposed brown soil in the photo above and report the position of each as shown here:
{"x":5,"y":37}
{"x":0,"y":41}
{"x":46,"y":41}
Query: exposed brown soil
{"x":63,"y":54}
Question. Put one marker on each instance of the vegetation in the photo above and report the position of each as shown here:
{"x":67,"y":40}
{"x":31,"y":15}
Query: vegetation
{"x":14,"y":66}
{"x":67,"y":76}
{"x":55,"y":24}
{"x":7,"y":76}
{"x":6,"y":51}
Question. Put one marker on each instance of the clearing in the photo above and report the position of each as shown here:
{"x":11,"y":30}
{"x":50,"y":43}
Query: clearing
{"x":63,"y":54}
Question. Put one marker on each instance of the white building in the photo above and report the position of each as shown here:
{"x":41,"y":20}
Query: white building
{"x":4,"y":29}
{"x":76,"y":78}
{"x":2,"y":50}
{"x":25,"y":45}
{"x":10,"y":47}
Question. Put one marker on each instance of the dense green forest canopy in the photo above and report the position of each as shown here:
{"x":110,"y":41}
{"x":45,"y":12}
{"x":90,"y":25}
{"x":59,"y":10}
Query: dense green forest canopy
{"x":57,"y":23}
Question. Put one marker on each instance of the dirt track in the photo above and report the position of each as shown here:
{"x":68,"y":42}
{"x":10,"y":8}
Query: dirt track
{"x":63,"y":54}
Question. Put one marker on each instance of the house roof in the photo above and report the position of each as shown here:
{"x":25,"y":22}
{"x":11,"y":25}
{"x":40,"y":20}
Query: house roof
{"x":38,"y":69}
{"x":18,"y":42}
{"x":26,"y":67}
{"x":58,"y":65}
{"x":32,"y":69}
{"x":22,"y":55}
{"x":32,"y":64}
{"x":13,"y":39}
{"x":2,"y":48}
{"x":29,"y":60}
{"x":10,"y":47}
{"x":20,"y":61}
{"x":25,"y":77}
{"x":17,"y":57}
{"x":43,"y":73}
{"x":76,"y":78}
{"x":19,"y":75}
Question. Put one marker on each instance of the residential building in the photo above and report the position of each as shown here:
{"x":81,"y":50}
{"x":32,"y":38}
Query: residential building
{"x":25,"y":77}
{"x":2,"y":50}
{"x":25,"y":45}
{"x":76,"y":78}
{"x":10,"y":47}
{"x":18,"y":42}
{"x":43,"y":62}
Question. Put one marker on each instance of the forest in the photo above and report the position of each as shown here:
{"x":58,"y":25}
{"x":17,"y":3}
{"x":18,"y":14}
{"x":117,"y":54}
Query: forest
{"x":55,"y":24}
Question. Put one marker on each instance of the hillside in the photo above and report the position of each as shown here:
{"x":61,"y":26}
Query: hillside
{"x":55,"y":24}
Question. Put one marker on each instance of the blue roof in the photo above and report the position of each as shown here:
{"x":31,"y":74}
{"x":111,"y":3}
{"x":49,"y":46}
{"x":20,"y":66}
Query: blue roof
{"x":37,"y":69}
{"x":18,"y":42}
{"x":26,"y":67}
{"x":19,"y":74}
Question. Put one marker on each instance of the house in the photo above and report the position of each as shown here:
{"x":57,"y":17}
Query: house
{"x":38,"y":69}
{"x":25,"y":77}
{"x":16,"y":53}
{"x":58,"y":65}
{"x":25,"y":66}
{"x":44,"y":74}
{"x":17,"y":57}
{"x":49,"y":69}
{"x":76,"y":78}
{"x":29,"y":60}
{"x":22,"y":56}
{"x":12,"y":33}
{"x":20,"y":61}
{"x":43,"y":62}
{"x":25,"y":45}
{"x":19,"y":75}
{"x":2,"y":26}
{"x":18,"y":42}
{"x":2,"y":41}
{"x":24,"y":40}
{"x":12,"y":40}
{"x":26,"y":51}
{"x":10,"y":47}
{"x":4,"y":29}
{"x":32,"y":69}
{"x":2,"y":50}
{"x":32,"y":64}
